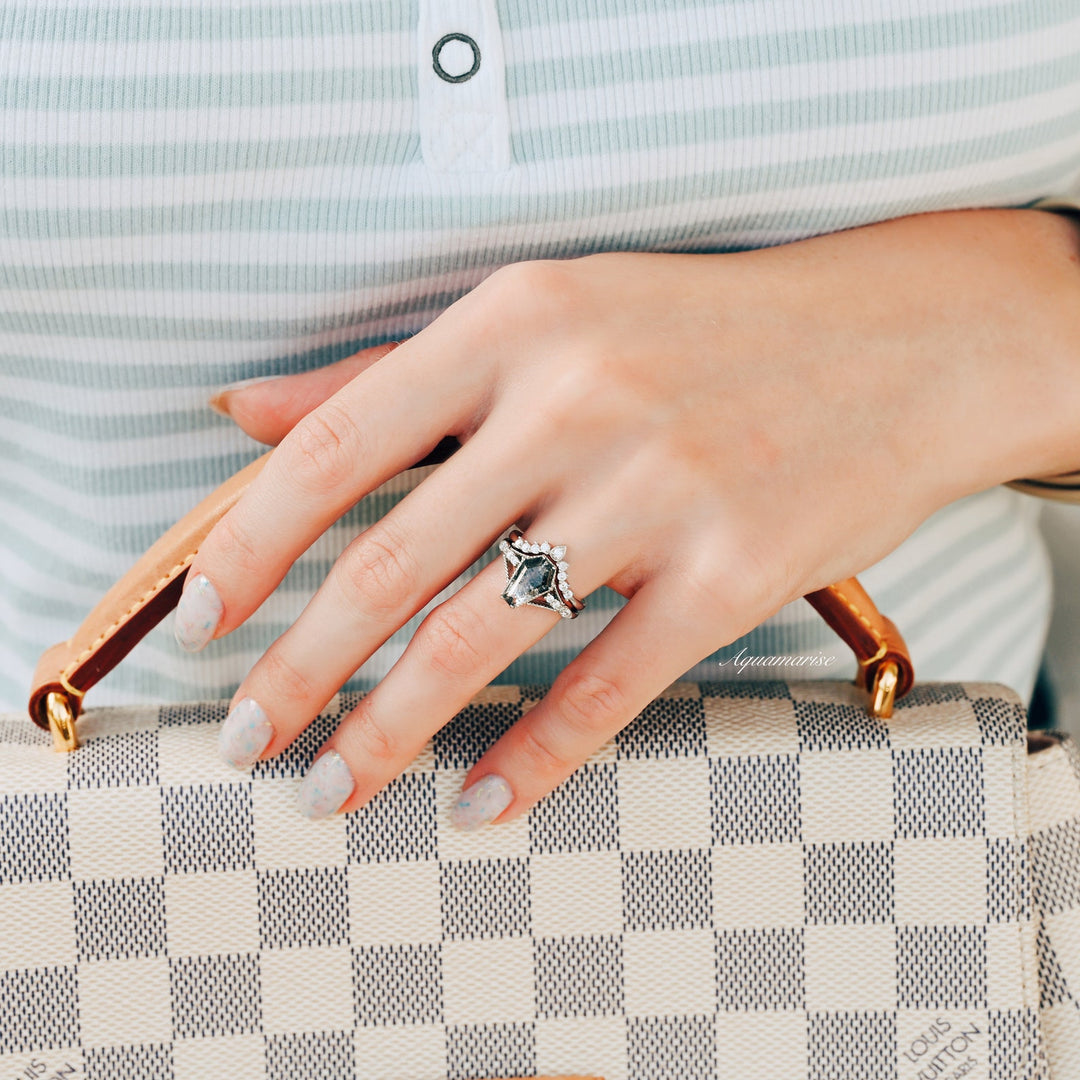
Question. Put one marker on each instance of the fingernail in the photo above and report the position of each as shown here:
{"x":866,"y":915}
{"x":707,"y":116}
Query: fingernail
{"x":198,"y":613}
{"x":480,"y":803}
{"x":327,"y":785}
{"x":219,"y":401}
{"x":245,"y":734}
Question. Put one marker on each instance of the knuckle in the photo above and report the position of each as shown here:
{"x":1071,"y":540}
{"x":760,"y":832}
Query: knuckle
{"x":450,"y":638}
{"x":370,"y":736}
{"x":540,"y":287}
{"x":325,"y":447}
{"x":538,"y":757}
{"x":234,"y":541}
{"x":378,"y":573}
{"x":590,"y":702}
{"x":286,"y":682}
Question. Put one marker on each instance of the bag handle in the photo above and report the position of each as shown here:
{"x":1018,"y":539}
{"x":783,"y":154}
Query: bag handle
{"x":152,"y":587}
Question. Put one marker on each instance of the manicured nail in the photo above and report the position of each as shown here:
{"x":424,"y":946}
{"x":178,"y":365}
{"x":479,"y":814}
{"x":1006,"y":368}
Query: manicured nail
{"x":198,"y":613}
{"x":482,"y":802}
{"x":327,"y":785}
{"x":245,"y":734}
{"x":219,"y":401}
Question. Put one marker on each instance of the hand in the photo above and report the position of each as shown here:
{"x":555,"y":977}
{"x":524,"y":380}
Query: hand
{"x":712,"y":436}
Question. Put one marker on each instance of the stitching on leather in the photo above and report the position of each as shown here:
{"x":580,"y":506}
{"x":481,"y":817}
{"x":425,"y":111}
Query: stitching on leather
{"x":857,"y":613}
{"x":154,"y":589}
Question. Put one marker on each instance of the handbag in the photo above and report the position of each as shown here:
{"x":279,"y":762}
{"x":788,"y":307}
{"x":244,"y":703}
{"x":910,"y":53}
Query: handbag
{"x":754,"y":879}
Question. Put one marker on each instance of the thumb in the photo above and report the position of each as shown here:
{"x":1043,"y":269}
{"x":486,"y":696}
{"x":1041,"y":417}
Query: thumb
{"x":268,"y":409}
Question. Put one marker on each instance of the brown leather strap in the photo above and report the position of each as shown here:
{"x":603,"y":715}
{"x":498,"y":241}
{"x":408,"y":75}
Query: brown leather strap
{"x":152,"y":587}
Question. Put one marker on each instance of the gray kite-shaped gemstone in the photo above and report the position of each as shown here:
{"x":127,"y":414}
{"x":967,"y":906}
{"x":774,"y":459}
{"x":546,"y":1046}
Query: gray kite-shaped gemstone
{"x":534,"y":576}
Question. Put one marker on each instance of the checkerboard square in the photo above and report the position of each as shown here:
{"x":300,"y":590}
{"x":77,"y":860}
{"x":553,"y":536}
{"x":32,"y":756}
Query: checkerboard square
{"x":846,"y":796}
{"x":153,"y":1062}
{"x":461,"y":743}
{"x":760,"y":1044}
{"x":488,"y":981}
{"x":399,"y":823}
{"x":850,"y":967}
{"x":755,"y":800}
{"x":285,"y":839}
{"x":934,"y":715}
{"x":759,"y":885}
{"x":581,"y":814}
{"x":579,"y":976}
{"x":671,"y":1048}
{"x":1013,"y":1036}
{"x":576,"y":895}
{"x":405,"y":1053}
{"x":294,"y":761}
{"x":760,"y":969}
{"x":215,"y":995}
{"x":1002,"y":723}
{"x":490,"y":1050}
{"x":208,"y":828}
{"x":488,"y":898}
{"x":581,"y":1046}
{"x":749,"y":725}
{"x":188,"y":755}
{"x":306,"y":989}
{"x":941,"y":967}
{"x":669,"y":972}
{"x":664,"y":803}
{"x":106,"y":991}
{"x":848,"y":883}
{"x":667,"y":727}
{"x":97,"y":816}
{"x":31,"y":766}
{"x":939,"y":792}
{"x":26,"y":1026}
{"x":852,"y":1045}
{"x":231,"y":1056}
{"x":37,"y":925}
{"x":1055,"y":863}
{"x":209,"y":914}
{"x":942,"y":881}
{"x":120,"y":918}
{"x":35,"y":832}
{"x":826,"y":725}
{"x":398,"y":984}
{"x":1008,"y":894}
{"x":303,"y":907}
{"x":121,"y":760}
{"x":318,"y":1053}
{"x":394,"y":903}
{"x":667,"y":890}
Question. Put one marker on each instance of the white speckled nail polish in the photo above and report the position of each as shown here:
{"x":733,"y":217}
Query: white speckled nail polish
{"x":245,"y":734}
{"x":327,"y":785}
{"x":198,"y":613}
{"x":481,"y":802}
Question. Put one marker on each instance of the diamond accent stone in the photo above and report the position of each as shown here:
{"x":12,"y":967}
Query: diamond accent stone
{"x":545,"y":547}
{"x":562,"y":565}
{"x":558,"y":552}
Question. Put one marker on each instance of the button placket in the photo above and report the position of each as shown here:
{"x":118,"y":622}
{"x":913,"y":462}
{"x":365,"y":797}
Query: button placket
{"x":464,"y":119}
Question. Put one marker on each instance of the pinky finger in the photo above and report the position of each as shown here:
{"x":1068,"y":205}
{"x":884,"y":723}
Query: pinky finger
{"x":645,"y":647}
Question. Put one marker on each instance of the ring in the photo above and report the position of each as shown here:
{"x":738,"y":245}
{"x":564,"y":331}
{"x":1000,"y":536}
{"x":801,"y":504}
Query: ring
{"x":536,"y":574}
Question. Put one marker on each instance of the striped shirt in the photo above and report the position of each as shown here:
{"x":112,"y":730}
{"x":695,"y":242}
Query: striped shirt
{"x":195,"y":194}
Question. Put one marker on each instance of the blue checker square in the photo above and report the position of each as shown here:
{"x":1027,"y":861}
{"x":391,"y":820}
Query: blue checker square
{"x":849,"y":883}
{"x":398,"y":984}
{"x":24,"y":1025}
{"x":123,"y":760}
{"x":145,"y":1062}
{"x":755,"y":800}
{"x":215,"y":995}
{"x":35,"y":839}
{"x":941,"y":967}
{"x":485,"y":898}
{"x":119,"y":918}
{"x":852,"y":1045}
{"x":666,"y":890}
{"x":579,"y":976}
{"x":667,"y":727}
{"x":827,"y":725}
{"x":399,"y":824}
{"x":938,"y":792}
{"x":671,"y":1048}
{"x":581,"y":814}
{"x":310,"y":1054}
{"x":208,"y":827}
{"x":761,"y":969}
{"x":490,"y":1050}
{"x":303,"y":907}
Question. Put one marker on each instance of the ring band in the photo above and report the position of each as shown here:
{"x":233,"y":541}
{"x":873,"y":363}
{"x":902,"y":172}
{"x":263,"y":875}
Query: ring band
{"x":536,"y":575}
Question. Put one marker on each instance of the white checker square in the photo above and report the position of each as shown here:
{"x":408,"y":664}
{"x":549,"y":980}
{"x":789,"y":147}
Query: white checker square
{"x":1003,"y":771}
{"x":922,"y":1035}
{"x":506,"y":841}
{"x":581,"y":1046}
{"x":944,"y":723}
{"x":37,"y":925}
{"x":940,"y":881}
{"x":212,"y":914}
{"x":115,"y":833}
{"x":847,"y":796}
{"x":488,"y":982}
{"x":188,"y":755}
{"x":394,"y":903}
{"x":670,"y":972}
{"x":664,"y":803}
{"x":757,"y":885}
{"x":284,"y":838}
{"x":850,"y":967}
{"x":741,"y":727}
{"x":1053,"y":793}
{"x":766,"y":1044}
{"x":306,"y":989}
{"x":576,"y":894}
{"x":416,"y":1052}
{"x":117,"y":719}
{"x":106,"y":993}
{"x":237,"y":1056}
{"x":1064,"y":932}
{"x":1005,"y":975}
{"x":32,"y":769}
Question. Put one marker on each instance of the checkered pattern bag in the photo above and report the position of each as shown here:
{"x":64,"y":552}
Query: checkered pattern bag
{"x":753,"y":881}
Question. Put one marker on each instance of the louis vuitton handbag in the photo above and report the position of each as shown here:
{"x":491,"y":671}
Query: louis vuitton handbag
{"x":769,"y":880}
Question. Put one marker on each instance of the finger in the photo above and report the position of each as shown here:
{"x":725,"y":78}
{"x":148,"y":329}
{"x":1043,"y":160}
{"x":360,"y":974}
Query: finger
{"x":458,"y":649}
{"x":382,"y":421}
{"x":387,"y":574}
{"x":649,"y":643}
{"x":269,"y":409}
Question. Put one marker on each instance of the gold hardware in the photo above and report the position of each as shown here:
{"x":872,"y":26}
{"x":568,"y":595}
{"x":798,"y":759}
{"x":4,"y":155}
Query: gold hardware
{"x":61,"y":722}
{"x":884,"y":693}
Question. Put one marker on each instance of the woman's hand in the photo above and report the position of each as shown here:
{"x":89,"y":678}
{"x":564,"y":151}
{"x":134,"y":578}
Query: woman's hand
{"x":712,"y":436}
